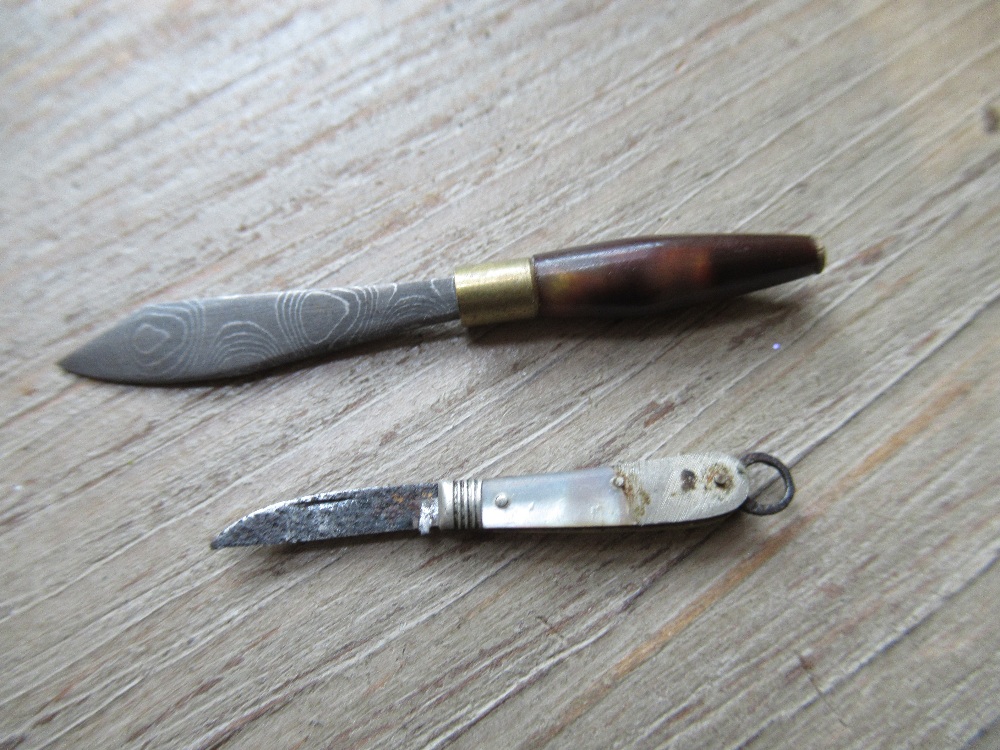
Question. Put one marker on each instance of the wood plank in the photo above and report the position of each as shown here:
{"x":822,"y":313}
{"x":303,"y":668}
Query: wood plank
{"x":161,"y":151}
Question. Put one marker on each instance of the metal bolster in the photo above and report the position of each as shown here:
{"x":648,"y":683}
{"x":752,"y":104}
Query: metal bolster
{"x":460,"y":504}
{"x":496,"y":292}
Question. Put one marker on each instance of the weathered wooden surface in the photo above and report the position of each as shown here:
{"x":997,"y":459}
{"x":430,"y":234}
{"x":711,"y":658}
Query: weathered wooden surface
{"x":156,"y":151}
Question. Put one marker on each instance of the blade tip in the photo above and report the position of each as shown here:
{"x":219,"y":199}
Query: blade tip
{"x":246,"y":532}
{"x":231,"y":537}
{"x":70,"y":362}
{"x":87,"y":361}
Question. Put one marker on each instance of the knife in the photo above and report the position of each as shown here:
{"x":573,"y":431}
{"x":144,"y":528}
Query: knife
{"x":649,"y":493}
{"x":203,"y":339}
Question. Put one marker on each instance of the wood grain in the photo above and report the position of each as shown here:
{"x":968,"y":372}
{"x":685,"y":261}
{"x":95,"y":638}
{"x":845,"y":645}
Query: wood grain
{"x":157,"y":151}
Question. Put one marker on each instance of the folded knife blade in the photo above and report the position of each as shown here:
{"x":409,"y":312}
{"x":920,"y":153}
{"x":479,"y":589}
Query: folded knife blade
{"x":654,"y":492}
{"x":204,"y":339}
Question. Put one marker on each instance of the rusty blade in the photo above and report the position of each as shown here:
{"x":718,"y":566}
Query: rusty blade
{"x":334,"y":515}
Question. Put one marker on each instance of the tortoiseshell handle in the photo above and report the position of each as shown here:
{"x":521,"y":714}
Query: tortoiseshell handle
{"x":645,"y":275}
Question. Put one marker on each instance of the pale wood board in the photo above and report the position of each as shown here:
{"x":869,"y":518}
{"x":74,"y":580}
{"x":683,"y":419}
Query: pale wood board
{"x":155,"y":151}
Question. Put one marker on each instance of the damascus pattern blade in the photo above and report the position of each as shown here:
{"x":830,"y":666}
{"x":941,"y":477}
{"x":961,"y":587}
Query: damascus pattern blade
{"x":222,"y":337}
{"x":334,"y":515}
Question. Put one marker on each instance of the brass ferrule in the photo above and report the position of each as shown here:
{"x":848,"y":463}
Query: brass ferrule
{"x":496,"y":292}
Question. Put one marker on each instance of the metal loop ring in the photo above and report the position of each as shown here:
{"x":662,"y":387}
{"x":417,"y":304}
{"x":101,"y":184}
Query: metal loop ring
{"x":750,"y":505}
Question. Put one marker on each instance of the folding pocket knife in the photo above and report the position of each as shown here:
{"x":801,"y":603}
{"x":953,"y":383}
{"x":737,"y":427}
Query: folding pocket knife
{"x":648,"y":493}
